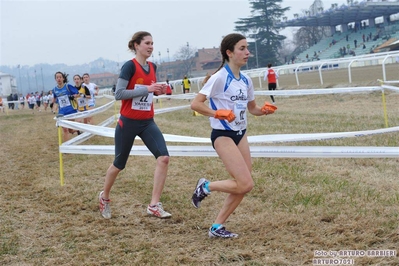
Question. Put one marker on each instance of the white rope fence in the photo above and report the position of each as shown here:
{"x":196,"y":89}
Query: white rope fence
{"x":277,"y":151}
{"x":272,"y":138}
{"x":257,"y":150}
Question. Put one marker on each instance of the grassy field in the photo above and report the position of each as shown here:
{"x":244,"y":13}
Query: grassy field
{"x":298,"y":206}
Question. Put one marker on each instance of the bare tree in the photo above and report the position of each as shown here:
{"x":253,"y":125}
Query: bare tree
{"x":287,"y":48}
{"x":186,"y":55}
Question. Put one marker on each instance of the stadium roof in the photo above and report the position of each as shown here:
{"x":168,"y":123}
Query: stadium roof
{"x":344,"y":15}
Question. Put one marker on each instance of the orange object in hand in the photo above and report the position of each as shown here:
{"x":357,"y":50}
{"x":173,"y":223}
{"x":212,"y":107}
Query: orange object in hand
{"x":268,"y":108}
{"x":225,"y":114}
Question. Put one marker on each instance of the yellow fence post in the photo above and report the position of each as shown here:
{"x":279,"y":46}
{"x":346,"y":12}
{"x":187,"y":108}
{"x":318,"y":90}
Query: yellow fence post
{"x":60,"y":154}
{"x":384,"y":105}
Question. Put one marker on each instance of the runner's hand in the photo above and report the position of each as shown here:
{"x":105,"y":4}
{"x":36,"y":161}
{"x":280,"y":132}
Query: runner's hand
{"x":268,"y":108}
{"x":225,"y":114}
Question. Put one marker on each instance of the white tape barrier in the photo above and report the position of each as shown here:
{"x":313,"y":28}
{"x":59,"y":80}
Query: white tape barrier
{"x":105,"y":107}
{"x":87,"y":113}
{"x":25,"y":101}
{"x":257,"y":151}
{"x":86,"y":135}
{"x":188,"y":96}
{"x":319,"y":91}
{"x":110,"y":132}
{"x":272,"y":138}
{"x":101,"y":130}
{"x":6,"y":102}
{"x":170,"y":109}
{"x":284,"y":138}
{"x":184,"y":96}
{"x":390,"y":87}
{"x":389,"y":81}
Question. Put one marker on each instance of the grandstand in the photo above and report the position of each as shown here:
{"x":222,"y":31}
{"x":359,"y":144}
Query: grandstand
{"x":350,"y":23}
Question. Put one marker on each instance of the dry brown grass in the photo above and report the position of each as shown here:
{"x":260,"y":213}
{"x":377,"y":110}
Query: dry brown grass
{"x":297,"y":206}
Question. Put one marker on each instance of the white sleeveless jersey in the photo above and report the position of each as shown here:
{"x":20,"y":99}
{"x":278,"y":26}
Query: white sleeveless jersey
{"x":92,"y":88}
{"x":224,"y":91}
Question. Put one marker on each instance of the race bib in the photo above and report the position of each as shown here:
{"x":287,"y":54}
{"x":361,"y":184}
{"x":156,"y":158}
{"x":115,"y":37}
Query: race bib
{"x":63,"y":101}
{"x":82,"y":102}
{"x":240,"y":122}
{"x":143,"y":103}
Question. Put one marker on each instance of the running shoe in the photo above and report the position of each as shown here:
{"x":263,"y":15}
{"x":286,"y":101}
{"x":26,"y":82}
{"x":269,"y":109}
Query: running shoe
{"x":105,"y":210}
{"x":221,"y":232}
{"x":158,"y":211}
{"x":199,"y":193}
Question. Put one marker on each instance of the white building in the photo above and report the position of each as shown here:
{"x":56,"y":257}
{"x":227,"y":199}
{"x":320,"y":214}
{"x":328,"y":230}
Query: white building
{"x":8,"y":84}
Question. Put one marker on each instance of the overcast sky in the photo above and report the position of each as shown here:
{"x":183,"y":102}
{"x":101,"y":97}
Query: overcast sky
{"x":76,"y":32}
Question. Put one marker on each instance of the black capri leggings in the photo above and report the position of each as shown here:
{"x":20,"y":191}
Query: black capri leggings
{"x":128,"y":129}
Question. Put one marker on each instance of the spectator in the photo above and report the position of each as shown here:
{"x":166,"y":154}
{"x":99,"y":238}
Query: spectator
{"x":15,"y":100}
{"x":9,"y":100}
{"x":186,"y":84}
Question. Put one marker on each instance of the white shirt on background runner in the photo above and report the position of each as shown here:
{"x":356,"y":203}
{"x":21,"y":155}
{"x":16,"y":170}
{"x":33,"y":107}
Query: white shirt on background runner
{"x":92,"y":88}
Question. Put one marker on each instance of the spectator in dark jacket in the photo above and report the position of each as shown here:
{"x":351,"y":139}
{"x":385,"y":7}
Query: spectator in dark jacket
{"x":15,"y":99}
{"x":9,"y":100}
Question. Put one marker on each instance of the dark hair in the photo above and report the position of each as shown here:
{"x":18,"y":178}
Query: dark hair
{"x":228,"y":43}
{"x":64,"y":76}
{"x":85,"y":75}
{"x":137,"y":38}
{"x":77,"y":75}
{"x":269,"y":65}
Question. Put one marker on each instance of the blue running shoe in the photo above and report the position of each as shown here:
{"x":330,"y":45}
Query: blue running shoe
{"x":221,"y":232}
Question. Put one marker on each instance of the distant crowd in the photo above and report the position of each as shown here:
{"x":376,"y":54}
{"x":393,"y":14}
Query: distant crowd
{"x":37,"y":101}
{"x":47,"y":100}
